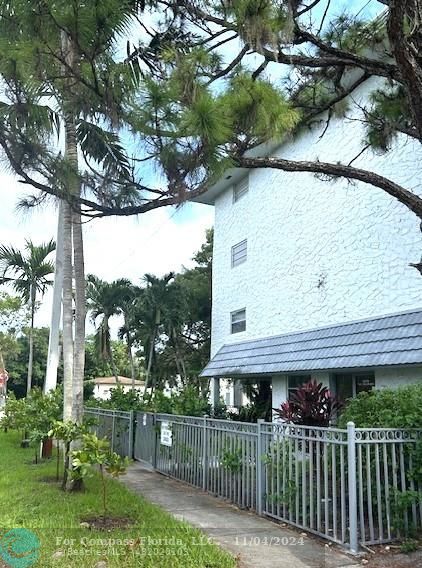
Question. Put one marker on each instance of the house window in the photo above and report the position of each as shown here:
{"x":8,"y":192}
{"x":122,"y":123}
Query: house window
{"x":349,"y":385}
{"x":294,"y":382}
{"x":238,"y":321}
{"x":239,"y":253}
{"x":241,"y":189}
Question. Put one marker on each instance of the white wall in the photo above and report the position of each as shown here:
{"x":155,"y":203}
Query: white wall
{"x":397,"y":376}
{"x":318,"y":252}
{"x":103,"y":391}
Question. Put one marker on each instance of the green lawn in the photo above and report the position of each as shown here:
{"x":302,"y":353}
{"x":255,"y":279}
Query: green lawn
{"x":28,"y":501}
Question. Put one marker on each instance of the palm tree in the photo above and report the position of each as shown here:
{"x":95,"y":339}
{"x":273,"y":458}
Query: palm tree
{"x":28,"y":275}
{"x":50,"y":91}
{"x":104,"y":302}
{"x":154,"y":305}
{"x":127,"y":303}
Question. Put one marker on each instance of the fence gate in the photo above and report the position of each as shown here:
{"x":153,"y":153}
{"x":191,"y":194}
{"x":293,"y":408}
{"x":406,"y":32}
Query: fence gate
{"x":347,"y":485}
{"x":145,"y":437}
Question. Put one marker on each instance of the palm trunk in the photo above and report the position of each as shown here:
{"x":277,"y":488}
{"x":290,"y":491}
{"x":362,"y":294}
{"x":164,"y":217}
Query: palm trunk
{"x":80,"y":315}
{"x":130,"y":355}
{"x":150,"y":358}
{"x":31,"y":342}
{"x":53,"y":344}
{"x":67,"y":314}
{"x":113,"y":364}
{"x":76,"y":353}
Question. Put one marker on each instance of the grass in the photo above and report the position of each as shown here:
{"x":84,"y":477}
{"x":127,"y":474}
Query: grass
{"x":155,"y":539}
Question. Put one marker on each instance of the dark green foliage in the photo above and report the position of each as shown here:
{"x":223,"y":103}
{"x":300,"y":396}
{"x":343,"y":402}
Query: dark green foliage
{"x":16,"y":361}
{"x":385,"y":408}
{"x":189,"y":401}
{"x":389,"y":113}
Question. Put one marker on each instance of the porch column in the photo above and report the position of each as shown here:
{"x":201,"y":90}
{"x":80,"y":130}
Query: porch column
{"x":237,"y":393}
{"x":279,"y":391}
{"x":215,"y":391}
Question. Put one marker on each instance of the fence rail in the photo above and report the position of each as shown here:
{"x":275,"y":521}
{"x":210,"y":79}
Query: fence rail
{"x":116,"y":426}
{"x":348,"y":486}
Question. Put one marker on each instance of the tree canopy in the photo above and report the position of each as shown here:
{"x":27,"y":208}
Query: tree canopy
{"x":191,"y":109}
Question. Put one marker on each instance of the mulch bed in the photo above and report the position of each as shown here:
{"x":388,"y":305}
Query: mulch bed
{"x":107,"y":523}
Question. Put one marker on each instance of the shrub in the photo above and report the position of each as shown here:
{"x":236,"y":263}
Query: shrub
{"x":96,"y":452}
{"x":187,"y":400}
{"x":312,"y":404}
{"x":34,"y":414}
{"x":385,"y":408}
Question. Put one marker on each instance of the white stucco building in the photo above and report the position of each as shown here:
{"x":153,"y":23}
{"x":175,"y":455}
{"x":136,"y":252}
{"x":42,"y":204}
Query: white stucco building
{"x":294,"y":253}
{"x":104,"y":385}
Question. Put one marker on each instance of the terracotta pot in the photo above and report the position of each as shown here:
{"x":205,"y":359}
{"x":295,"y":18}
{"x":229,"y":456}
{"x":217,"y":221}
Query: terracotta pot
{"x":47,"y":448}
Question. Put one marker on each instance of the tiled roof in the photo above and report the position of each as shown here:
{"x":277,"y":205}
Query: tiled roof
{"x":112,"y":381}
{"x":377,"y":342}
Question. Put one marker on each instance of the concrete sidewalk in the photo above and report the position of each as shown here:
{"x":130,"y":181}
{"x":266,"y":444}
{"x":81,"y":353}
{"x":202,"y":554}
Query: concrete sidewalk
{"x":256,"y":541}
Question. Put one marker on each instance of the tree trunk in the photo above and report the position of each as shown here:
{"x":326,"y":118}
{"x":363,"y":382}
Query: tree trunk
{"x":404,"y":33}
{"x":150,"y":358}
{"x":80,"y":315}
{"x":31,"y":342}
{"x":112,"y":363}
{"x":53,"y":344}
{"x":131,"y":362}
{"x":67,"y":314}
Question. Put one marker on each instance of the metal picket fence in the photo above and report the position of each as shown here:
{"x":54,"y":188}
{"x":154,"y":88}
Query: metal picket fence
{"x":116,"y":426}
{"x":348,"y":486}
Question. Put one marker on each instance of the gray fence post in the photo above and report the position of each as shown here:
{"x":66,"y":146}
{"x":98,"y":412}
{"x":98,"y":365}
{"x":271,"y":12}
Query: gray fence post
{"x":154,"y":441}
{"x":258,"y":462}
{"x":131,"y":424}
{"x":351,"y":472}
{"x":204,"y":455}
{"x":112,"y":431}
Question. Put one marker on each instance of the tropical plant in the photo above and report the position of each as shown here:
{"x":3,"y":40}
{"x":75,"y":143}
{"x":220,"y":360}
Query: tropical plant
{"x":154,"y":304}
{"x":96,"y":452}
{"x":104,"y":301}
{"x":126,"y":301}
{"x":312,"y":404}
{"x":28,"y":274}
{"x":63,"y":75}
{"x":68,"y":432}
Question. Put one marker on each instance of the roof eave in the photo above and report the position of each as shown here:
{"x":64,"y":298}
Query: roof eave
{"x":234,"y":175}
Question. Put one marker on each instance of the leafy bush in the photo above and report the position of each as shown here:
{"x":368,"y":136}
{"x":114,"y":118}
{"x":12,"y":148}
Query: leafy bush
{"x":188,"y":401}
{"x":35,"y":414}
{"x":119,"y":400}
{"x":67,"y":432}
{"x":385,"y":408}
{"x":312,"y":404}
{"x":97,"y":452}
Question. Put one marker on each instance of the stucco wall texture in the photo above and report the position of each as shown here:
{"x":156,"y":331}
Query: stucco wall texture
{"x":318,"y":252}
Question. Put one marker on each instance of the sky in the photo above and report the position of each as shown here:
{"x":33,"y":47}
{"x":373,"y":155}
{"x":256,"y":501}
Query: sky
{"x":157,"y":242}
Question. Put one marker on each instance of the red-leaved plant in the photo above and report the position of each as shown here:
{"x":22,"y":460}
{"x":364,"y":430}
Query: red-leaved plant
{"x":312,"y":404}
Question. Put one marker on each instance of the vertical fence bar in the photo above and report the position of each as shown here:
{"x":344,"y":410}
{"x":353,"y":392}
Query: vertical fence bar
{"x":204,"y":455}
{"x":112,"y":431}
{"x":259,"y":477}
{"x":131,"y":424}
{"x":154,"y":441}
{"x":351,"y":472}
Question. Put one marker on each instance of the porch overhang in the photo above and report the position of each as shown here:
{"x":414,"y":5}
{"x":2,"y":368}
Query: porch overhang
{"x":385,"y":341}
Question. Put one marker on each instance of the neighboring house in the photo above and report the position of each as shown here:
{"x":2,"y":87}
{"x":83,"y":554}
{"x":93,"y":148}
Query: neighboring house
{"x":298,"y":258}
{"x":103,"y":386}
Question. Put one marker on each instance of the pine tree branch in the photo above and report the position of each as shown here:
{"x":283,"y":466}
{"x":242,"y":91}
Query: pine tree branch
{"x":404,"y":196}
